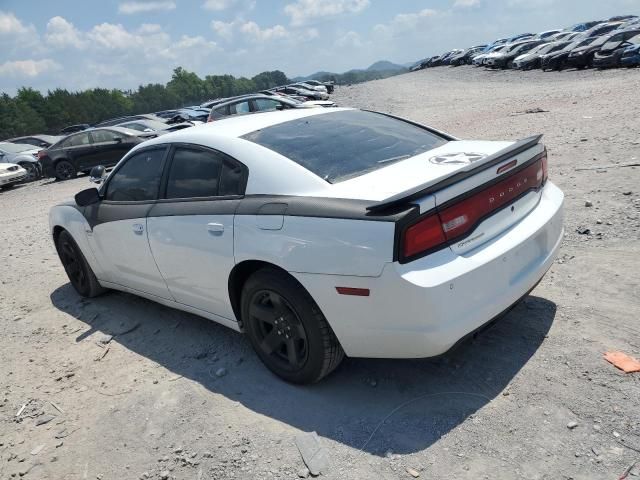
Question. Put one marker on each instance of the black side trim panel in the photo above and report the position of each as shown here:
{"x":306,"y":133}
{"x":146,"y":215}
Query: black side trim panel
{"x":422,"y":190}
{"x":322,"y":207}
{"x":194,"y":207}
{"x":105,"y":212}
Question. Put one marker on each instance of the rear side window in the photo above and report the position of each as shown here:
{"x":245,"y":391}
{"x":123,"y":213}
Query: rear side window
{"x":76,"y":140}
{"x":138,"y":179}
{"x":197,"y":173}
{"x":239,"y":108}
{"x":337,"y":146}
{"x":266,"y":104}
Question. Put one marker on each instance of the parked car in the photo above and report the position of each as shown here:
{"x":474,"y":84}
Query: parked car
{"x":259,"y":223}
{"x":316,"y":88}
{"x":74,"y":128}
{"x":308,"y":94}
{"x":581,"y":27}
{"x":505,"y":58}
{"x":328,"y":85}
{"x":610,"y":54}
{"x":149,"y":126}
{"x":112,"y":122}
{"x":556,"y":60}
{"x":547,"y":34}
{"x":583,"y":57}
{"x":622,"y":18}
{"x":41,"y":141}
{"x":11,"y":174}
{"x":480,"y":60}
{"x":24,"y":155}
{"x":631,"y":56}
{"x":81,"y":151}
{"x":601,"y":29}
{"x":464,"y":57}
{"x":256,"y":104}
{"x":531,"y":60}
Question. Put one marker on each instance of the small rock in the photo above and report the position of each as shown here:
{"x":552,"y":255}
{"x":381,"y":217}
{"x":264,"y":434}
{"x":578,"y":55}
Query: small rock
{"x":44,"y":419}
{"x":104,"y":339}
{"x":164,"y":475}
{"x":144,"y":475}
{"x":616,"y":434}
{"x":627,"y":193}
{"x":588,"y":204}
{"x":599,"y":222}
{"x":572,"y":425}
{"x":303,"y":473}
{"x":584,"y":231}
{"x":414,"y":473}
{"x":38,"y":449}
{"x":584,"y":139}
{"x":59,"y":444}
{"x":221,"y":372}
{"x":596,"y":428}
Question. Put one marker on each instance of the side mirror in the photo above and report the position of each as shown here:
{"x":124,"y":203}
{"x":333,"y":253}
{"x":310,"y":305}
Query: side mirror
{"x":97,"y":174}
{"x":118,"y":139}
{"x":87,"y":197}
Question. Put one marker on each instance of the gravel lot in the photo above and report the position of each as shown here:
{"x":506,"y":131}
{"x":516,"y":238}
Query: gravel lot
{"x":121,"y":388}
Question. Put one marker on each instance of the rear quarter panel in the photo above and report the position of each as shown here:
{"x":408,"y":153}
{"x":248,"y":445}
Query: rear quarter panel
{"x":315,"y":245}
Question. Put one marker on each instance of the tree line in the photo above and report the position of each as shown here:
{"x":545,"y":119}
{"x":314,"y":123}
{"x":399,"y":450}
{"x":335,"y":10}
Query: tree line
{"x":30,"y":112}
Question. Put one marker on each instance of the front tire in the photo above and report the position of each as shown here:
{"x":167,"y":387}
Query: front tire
{"x":78,"y":270}
{"x":286,"y":328}
{"x":65,"y":170}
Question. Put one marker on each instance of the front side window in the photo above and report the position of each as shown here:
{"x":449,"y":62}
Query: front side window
{"x":266,"y":104}
{"x":77,"y":140}
{"x":105,"y":136}
{"x":241,"y":107}
{"x":138,"y":179}
{"x":194,"y":173}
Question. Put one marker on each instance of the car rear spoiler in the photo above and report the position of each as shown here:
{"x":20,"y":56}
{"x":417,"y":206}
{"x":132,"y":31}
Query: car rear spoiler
{"x":420,"y":191}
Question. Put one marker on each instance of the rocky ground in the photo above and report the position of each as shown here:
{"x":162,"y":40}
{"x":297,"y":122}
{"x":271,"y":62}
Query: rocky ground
{"x":121,"y":388}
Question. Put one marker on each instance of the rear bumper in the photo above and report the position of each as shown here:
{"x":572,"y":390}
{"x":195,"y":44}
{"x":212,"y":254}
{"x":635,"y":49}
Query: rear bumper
{"x":423,"y":308}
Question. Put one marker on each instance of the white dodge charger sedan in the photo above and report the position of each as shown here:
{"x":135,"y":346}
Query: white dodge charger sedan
{"x":320,"y":232}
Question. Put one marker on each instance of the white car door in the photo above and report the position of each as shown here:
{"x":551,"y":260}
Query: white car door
{"x":118,"y":234}
{"x":191,"y":226}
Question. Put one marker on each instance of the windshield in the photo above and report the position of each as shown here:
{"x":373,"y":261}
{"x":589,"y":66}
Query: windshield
{"x":15,"y":147}
{"x":341,"y":145}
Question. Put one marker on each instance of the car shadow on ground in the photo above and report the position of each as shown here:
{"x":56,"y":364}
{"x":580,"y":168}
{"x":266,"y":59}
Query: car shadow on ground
{"x":377,"y":406}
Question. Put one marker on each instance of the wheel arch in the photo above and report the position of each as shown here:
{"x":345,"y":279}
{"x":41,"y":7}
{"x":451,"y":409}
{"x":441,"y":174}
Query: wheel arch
{"x":241,"y":273}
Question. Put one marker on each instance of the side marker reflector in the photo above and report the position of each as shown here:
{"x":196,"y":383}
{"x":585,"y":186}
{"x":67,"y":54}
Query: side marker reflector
{"x":358,"y":292}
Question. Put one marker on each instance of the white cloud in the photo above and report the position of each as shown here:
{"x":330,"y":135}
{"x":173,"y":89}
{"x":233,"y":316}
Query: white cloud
{"x":220,"y":5}
{"x":406,"y":22}
{"x":10,"y":25}
{"x":306,"y":11}
{"x":466,"y":3}
{"x":257,"y":34}
{"x":28,"y":68}
{"x":133,"y":7}
{"x":349,"y":39}
{"x":61,"y":33}
{"x":253,"y":32}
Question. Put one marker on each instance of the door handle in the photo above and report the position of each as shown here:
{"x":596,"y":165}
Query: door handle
{"x":215,"y":228}
{"x":138,"y":228}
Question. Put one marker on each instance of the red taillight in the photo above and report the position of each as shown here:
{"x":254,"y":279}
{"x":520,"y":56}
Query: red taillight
{"x":356,"y":292}
{"x":424,"y":235}
{"x":457,"y":220}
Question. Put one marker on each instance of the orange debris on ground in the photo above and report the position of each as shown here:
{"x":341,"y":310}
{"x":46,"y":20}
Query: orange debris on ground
{"x":623,"y":361}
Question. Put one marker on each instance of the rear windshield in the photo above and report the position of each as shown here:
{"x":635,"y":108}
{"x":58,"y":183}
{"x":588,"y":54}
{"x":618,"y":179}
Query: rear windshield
{"x":341,"y":145}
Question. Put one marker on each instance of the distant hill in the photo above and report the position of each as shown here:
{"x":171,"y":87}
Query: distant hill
{"x":384,"y":66}
{"x":378,"y":70}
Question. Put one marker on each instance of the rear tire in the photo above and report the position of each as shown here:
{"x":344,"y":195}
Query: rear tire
{"x":65,"y":170}
{"x":78,"y":270}
{"x":286,"y":328}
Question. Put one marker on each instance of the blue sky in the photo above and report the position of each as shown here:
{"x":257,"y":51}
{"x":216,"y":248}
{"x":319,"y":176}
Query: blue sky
{"x":79,"y":44}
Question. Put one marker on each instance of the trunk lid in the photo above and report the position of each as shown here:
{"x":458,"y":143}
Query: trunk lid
{"x":476,"y":189}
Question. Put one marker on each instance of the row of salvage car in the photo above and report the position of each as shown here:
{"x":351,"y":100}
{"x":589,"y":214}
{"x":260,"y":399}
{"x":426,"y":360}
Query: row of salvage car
{"x":79,"y":148}
{"x":611,"y":43}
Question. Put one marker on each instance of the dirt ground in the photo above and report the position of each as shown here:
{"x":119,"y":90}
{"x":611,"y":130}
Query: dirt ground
{"x":121,"y":388}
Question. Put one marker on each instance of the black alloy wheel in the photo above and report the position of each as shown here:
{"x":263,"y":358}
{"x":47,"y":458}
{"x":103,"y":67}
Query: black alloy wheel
{"x":280,"y":332}
{"x":286,"y":328}
{"x":75,"y":265}
{"x":65,"y":170}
